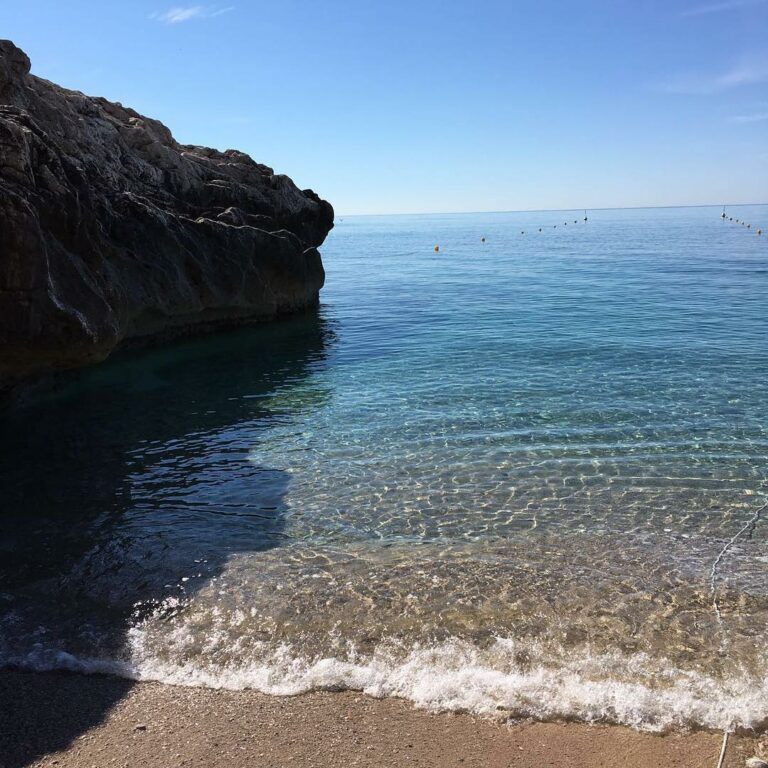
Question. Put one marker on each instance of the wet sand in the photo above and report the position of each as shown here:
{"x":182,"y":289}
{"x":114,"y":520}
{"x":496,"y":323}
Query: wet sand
{"x":60,"y":719}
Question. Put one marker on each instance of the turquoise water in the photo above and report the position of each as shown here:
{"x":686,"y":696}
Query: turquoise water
{"x":524,"y":475}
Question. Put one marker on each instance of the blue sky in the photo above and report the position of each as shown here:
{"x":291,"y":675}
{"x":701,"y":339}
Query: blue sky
{"x":421,"y":106}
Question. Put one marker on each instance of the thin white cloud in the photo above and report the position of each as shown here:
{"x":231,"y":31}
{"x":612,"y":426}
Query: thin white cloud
{"x":726,"y":5}
{"x":184,"y":13}
{"x":748,"y":72}
{"x":758,"y":118}
{"x":176,"y":15}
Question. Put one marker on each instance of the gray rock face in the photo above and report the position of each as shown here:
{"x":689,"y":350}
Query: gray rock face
{"x":110,"y":230}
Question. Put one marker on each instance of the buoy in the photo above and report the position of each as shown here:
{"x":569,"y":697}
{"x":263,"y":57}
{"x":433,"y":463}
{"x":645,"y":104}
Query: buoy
{"x":437,"y":248}
{"x":482,"y":239}
{"x":522,"y":231}
{"x":575,"y":222}
{"x":585,"y":215}
{"x":565,"y":223}
{"x":731,"y":219}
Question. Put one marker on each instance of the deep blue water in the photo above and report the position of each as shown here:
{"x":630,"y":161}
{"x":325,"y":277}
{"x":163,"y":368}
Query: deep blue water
{"x":494,"y":475}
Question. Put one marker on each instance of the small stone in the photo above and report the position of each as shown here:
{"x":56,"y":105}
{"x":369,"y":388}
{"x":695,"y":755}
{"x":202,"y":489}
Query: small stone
{"x":756,"y":762}
{"x":140,"y":727}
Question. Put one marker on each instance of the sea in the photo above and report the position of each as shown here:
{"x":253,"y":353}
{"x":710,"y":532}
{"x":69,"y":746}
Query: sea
{"x":515,"y":464}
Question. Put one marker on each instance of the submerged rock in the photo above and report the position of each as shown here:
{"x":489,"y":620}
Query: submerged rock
{"x":110,"y":230}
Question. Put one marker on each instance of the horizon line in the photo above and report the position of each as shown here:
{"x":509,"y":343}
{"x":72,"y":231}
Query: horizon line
{"x":552,"y":210}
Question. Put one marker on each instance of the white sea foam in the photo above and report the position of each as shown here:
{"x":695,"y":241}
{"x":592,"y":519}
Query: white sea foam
{"x":455,"y":676}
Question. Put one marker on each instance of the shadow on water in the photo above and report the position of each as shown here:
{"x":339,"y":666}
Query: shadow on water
{"x":133,"y":482}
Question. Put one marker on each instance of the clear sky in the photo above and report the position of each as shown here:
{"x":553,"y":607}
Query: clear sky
{"x":423,"y":106}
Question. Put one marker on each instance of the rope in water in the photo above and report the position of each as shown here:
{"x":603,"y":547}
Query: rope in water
{"x":748,"y":526}
{"x":751,"y":523}
{"x":722,"y":750}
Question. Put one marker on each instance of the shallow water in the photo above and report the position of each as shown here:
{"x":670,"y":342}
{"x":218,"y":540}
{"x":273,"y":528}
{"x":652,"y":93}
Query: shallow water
{"x":495,"y":477}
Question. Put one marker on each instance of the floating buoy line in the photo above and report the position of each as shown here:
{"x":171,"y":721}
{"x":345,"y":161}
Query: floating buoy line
{"x":725,"y":217}
{"x":541,"y":229}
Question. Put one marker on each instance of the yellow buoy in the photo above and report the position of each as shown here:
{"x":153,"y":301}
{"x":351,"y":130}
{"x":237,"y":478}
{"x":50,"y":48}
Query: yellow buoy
{"x":437,"y":248}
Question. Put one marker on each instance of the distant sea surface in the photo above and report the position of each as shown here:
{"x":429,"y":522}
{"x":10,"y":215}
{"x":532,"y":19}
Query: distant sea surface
{"x":523,"y":476}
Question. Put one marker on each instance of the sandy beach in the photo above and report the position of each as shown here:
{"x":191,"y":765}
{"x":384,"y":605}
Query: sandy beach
{"x":60,"y":719}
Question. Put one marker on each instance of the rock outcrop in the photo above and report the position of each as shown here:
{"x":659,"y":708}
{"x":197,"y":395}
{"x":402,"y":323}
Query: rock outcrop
{"x":111,"y":231}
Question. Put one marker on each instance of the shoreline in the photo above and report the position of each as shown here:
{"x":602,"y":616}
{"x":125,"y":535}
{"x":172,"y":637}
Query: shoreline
{"x":71,"y":720}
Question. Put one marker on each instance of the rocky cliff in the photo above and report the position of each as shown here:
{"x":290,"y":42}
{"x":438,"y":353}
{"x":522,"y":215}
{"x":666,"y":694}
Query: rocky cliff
{"x":110,"y":230}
